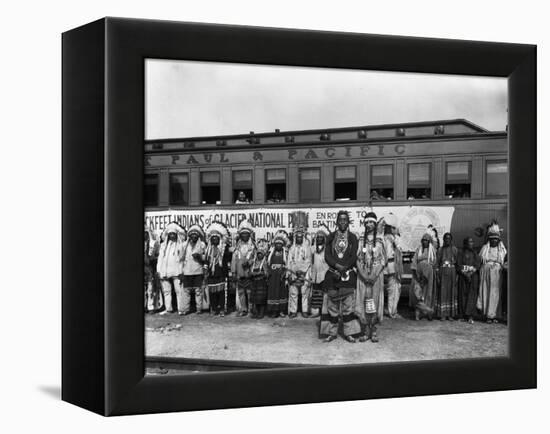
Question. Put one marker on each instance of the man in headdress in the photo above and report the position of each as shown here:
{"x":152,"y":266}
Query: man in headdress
{"x":193,"y":272}
{"x":153,"y":301}
{"x":493,"y":258}
{"x":170,"y":263}
{"x":340,"y":282}
{"x":394,"y":264}
{"x":243,"y":256}
{"x":299,"y":264}
{"x":217,"y":258}
{"x":319,"y":268}
{"x":277,"y":291}
{"x":371,"y":260}
{"x":422,"y":267}
{"x":231,"y":292}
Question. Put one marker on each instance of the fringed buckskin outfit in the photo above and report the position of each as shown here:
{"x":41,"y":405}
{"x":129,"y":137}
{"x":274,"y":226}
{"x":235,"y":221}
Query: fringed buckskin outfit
{"x":490,"y":275}
{"x":371,"y":259}
{"x":170,"y":263}
{"x":243,"y":257}
{"x":193,"y":274}
{"x":393,"y":272}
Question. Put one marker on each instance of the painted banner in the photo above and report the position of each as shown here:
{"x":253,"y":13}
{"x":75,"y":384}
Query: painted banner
{"x":412,"y":220}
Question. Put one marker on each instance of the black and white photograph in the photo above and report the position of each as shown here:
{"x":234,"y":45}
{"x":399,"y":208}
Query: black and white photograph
{"x":341,"y":207}
{"x":300,"y":216}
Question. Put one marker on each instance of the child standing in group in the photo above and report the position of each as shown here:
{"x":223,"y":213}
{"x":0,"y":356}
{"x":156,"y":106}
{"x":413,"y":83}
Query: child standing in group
{"x":259,"y":273}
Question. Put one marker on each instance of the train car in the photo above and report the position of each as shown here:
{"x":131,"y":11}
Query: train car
{"x":449,"y":173}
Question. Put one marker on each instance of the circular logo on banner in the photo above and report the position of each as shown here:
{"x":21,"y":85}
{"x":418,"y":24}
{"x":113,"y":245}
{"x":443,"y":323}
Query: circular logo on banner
{"x":413,"y":225}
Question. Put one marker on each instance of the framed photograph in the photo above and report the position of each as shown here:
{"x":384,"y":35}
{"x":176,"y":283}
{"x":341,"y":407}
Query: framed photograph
{"x":288,"y":216}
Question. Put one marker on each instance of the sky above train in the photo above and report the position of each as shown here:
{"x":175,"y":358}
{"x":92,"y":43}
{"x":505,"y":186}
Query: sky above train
{"x":193,"y":99}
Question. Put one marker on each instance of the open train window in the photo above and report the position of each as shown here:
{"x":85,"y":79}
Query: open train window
{"x":210,"y":188}
{"x":381,"y":181}
{"x":275,"y":185}
{"x":310,"y":185}
{"x":345,"y":183}
{"x":458,"y":180}
{"x":179,"y":189}
{"x":419,"y":181}
{"x":151,"y":190}
{"x":242,"y":186}
{"x":496,"y":179}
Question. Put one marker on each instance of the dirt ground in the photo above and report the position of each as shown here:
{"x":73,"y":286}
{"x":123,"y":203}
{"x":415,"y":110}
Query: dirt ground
{"x":285,"y":340}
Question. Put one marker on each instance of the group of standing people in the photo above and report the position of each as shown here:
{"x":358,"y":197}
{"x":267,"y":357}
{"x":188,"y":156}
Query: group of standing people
{"x":336,"y":277}
{"x":461,"y":284}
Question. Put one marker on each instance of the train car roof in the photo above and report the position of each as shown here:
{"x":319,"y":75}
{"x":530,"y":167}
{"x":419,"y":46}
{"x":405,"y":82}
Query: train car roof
{"x":410,"y":129}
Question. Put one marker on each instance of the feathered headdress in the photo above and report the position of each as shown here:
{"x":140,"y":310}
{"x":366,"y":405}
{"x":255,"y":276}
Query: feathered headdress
{"x":299,"y":221}
{"x":262,"y":245}
{"x":432,"y":236}
{"x":281,"y":236}
{"x":217,"y":229}
{"x":245,"y":226}
{"x":197,"y":230}
{"x":494,"y":231}
{"x":323,"y":230}
{"x":214,"y":254}
{"x":380,"y":227}
{"x":176,"y":228}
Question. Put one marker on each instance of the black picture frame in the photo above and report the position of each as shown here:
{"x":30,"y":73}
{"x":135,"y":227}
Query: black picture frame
{"x":103,"y":133}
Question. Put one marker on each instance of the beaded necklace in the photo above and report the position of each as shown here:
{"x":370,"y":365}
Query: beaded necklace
{"x":341,"y":243}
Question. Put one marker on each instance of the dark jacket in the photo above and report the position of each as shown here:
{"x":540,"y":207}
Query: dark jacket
{"x":333,"y":283}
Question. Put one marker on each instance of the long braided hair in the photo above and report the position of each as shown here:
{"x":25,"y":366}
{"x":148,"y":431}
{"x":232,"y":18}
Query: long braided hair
{"x":369,"y":216}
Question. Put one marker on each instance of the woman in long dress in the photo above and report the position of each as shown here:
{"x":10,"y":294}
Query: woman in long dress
{"x":277,"y":290}
{"x":371,"y":260}
{"x":468,"y":265}
{"x":422,"y":267}
{"x":259,"y":273}
{"x":446,"y":306}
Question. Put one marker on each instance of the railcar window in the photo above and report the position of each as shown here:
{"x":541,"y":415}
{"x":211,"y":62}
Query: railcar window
{"x":310,"y":185}
{"x":419,"y":181}
{"x":345,"y":183}
{"x":210,"y":188}
{"x":179,"y":189}
{"x":458,"y":180}
{"x":151,"y":190}
{"x":496,"y":180}
{"x":381,"y":182}
{"x":275,"y":185}
{"x":242,"y":186}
